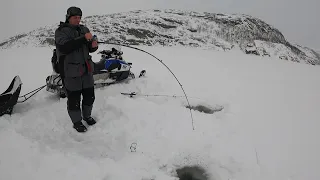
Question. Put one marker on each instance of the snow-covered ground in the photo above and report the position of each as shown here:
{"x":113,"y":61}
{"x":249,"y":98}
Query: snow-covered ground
{"x":268,"y":128}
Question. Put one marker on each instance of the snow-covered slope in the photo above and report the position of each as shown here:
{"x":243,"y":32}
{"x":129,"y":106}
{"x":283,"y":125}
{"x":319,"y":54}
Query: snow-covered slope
{"x":181,"y":28}
{"x":284,"y":52}
{"x":312,"y":54}
{"x":268,"y":128}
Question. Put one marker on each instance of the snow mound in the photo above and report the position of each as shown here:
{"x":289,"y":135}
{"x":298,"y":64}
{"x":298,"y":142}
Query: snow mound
{"x":216,"y":31}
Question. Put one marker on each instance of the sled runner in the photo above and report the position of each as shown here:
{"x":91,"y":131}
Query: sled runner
{"x":10,"y":97}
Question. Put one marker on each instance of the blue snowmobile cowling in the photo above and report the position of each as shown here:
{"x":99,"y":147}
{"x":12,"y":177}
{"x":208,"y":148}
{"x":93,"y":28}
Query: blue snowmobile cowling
{"x":110,"y":63}
{"x":111,"y":68}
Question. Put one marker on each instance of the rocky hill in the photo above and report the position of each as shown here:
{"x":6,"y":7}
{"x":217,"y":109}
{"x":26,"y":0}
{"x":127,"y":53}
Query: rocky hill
{"x":182,"y":28}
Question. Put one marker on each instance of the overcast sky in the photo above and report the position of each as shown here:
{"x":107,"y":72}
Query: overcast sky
{"x":296,"y":19}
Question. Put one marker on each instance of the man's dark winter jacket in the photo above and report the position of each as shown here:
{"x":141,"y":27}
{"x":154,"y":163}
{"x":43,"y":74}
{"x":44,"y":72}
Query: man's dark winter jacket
{"x":76,"y":66}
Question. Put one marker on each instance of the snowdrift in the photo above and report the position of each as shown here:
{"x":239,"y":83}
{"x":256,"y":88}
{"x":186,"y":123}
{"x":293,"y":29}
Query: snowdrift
{"x":267,"y":129}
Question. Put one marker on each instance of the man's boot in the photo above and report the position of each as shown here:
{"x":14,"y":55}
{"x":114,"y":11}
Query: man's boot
{"x":76,"y":120}
{"x":79,"y":127}
{"x":86,"y":113}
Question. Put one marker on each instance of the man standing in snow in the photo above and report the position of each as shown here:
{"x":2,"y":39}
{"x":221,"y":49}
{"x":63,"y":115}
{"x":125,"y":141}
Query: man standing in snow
{"x":74,"y":42}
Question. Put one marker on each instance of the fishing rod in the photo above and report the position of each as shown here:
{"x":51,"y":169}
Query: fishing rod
{"x":128,"y":46}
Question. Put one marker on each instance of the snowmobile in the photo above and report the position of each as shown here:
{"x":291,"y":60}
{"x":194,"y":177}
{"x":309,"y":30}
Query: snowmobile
{"x":111,"y":68}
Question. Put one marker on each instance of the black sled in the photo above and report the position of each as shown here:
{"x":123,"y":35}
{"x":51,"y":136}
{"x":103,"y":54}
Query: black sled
{"x":9,"y":98}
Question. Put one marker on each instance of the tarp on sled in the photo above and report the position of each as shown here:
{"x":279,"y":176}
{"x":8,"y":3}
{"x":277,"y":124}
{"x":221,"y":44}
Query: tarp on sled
{"x":10,"y":97}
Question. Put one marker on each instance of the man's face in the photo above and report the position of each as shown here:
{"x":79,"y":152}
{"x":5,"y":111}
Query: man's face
{"x":75,"y":20}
